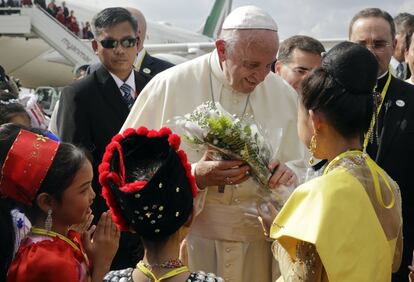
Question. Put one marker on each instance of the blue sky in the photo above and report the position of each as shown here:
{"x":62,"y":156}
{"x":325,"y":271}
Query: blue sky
{"x":318,"y":18}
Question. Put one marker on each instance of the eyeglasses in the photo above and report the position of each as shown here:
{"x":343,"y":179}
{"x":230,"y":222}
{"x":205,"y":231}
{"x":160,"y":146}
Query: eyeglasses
{"x":378,"y":46}
{"x":125,"y":42}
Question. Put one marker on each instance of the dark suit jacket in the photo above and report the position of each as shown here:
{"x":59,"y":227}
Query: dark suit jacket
{"x":151,"y":66}
{"x":91,"y":112}
{"x":395,"y":154}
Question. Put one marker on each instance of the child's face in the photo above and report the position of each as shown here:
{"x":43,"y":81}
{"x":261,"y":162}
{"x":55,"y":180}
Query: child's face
{"x":77,"y":198}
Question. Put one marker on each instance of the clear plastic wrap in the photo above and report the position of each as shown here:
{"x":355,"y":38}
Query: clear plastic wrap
{"x":228,"y":137}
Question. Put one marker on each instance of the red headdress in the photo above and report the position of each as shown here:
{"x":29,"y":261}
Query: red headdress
{"x":26,"y":166}
{"x":147,"y":182}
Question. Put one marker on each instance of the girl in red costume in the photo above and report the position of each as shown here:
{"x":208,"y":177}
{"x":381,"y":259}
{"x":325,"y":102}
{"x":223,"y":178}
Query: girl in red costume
{"x":50,"y":182}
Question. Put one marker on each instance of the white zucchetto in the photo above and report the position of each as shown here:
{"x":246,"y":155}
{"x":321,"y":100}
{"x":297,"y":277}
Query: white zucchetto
{"x":249,"y":17}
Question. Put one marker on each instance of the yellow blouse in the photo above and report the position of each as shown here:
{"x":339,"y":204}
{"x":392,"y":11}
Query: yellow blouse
{"x":350,"y":217}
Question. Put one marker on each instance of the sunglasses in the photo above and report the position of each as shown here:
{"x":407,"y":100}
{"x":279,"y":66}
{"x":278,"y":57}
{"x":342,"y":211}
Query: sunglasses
{"x":125,"y":42}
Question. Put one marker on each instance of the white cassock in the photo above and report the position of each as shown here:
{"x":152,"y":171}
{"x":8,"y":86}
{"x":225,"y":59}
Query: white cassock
{"x":223,"y":239}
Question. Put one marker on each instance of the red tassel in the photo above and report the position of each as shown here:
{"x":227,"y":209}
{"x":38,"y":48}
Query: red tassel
{"x":117,"y":138}
{"x":129,"y":132}
{"x":142,"y":131}
{"x":174,"y":141}
{"x":165,"y":131}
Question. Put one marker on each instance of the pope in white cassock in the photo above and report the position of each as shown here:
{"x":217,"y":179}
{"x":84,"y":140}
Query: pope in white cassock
{"x":224,"y":238}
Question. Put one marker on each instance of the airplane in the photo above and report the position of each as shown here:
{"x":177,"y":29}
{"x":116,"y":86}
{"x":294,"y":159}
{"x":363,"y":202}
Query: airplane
{"x":36,"y":63}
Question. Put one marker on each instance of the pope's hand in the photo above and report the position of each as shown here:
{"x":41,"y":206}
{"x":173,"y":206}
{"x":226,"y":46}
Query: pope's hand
{"x":282,"y":175}
{"x":216,"y":173}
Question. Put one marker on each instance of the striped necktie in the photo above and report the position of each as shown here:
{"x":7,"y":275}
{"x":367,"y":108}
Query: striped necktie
{"x":126,"y":94}
{"x":400,"y":71}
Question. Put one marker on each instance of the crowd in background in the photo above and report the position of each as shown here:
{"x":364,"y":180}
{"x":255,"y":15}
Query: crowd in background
{"x":60,"y":13}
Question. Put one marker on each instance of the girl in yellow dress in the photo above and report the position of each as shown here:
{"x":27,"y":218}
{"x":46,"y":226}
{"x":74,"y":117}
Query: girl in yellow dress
{"x":345,"y":225}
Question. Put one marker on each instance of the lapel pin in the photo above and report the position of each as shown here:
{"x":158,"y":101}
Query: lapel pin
{"x":146,"y":70}
{"x":400,"y":103}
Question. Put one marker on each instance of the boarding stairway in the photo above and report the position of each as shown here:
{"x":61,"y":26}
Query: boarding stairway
{"x":24,"y":21}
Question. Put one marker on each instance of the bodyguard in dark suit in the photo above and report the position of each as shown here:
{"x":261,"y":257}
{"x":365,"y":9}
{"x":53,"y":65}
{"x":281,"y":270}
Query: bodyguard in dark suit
{"x":92,"y":110}
{"x":147,"y":65}
{"x":393,"y":144}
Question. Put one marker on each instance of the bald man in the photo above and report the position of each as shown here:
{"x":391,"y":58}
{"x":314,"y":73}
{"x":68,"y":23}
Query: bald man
{"x":146,"y":64}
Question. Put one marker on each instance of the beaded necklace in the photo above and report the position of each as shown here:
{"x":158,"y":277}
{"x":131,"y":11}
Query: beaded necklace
{"x":145,"y":268}
{"x":171,"y":263}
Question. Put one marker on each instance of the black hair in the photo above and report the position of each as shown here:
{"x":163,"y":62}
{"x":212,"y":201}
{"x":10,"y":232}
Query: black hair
{"x":373,"y":13}
{"x":342,"y":89}
{"x":10,"y":108}
{"x":67,"y":162}
{"x":165,"y":203}
{"x":110,"y":17}
{"x":301,"y":42}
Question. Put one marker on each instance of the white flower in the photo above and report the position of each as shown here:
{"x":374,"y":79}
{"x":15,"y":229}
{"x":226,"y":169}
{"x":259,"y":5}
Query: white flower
{"x":194,"y":130}
{"x":254,"y":129}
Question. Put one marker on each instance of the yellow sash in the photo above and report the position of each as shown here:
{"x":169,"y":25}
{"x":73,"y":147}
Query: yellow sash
{"x":41,"y":231}
{"x":375,"y":170}
{"x":374,"y":120}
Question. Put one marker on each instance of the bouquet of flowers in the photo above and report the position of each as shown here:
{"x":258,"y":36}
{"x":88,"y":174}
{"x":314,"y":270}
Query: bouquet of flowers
{"x":231,"y":137}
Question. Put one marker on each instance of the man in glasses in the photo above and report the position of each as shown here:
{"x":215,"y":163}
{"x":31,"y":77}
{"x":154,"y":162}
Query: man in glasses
{"x":297,"y":56}
{"x":393,"y":138}
{"x":147,"y":65}
{"x":93,"y":109}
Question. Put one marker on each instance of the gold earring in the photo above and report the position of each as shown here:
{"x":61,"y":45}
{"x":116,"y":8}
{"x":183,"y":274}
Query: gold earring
{"x":312,"y":149}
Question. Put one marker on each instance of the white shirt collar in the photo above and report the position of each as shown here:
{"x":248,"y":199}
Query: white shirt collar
{"x":394,"y":62}
{"x":130,"y":81}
